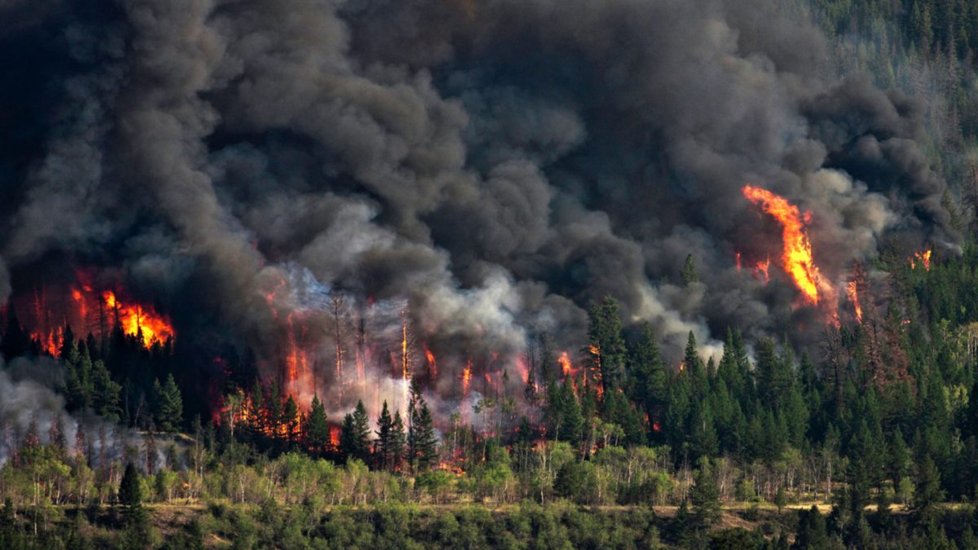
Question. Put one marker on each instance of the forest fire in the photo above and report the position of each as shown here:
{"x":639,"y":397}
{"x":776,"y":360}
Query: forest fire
{"x":922,"y":259}
{"x":852,"y":292}
{"x":565,"y":364}
{"x":432,"y":363}
{"x":138,"y":320}
{"x":797,"y":258}
{"x":763,"y":270}
{"x":466,"y":378}
{"x":85,"y":310}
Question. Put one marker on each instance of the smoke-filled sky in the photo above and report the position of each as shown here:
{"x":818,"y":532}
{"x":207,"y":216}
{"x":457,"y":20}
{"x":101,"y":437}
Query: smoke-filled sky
{"x":497,"y":164}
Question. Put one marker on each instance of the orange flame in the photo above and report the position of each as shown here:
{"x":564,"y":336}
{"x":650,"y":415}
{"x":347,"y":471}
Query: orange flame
{"x":762,"y":269}
{"x":797,"y":256}
{"x":852,"y":292}
{"x":405,"y":371}
{"x":523,"y":368}
{"x":466,"y":378}
{"x":737,"y":260}
{"x":921,"y":258}
{"x":565,"y":363}
{"x":432,"y":364}
{"x":137,"y":319}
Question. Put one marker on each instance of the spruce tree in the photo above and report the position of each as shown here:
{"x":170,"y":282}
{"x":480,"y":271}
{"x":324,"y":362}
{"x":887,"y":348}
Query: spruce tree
{"x":169,"y":405}
{"x":397,"y":442}
{"x":649,"y":378}
{"x":705,"y":497}
{"x":316,"y":428}
{"x":291,"y":419}
{"x":130,"y":492}
{"x":355,"y":434}
{"x":606,"y":349}
{"x":105,"y":392}
{"x":382,"y":447}
{"x":694,"y":368}
{"x":426,"y":441}
{"x":348,"y":438}
{"x":361,"y":426}
{"x":689,"y":274}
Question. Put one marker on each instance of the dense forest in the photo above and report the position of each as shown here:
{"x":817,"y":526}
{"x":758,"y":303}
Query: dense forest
{"x":881,"y":426}
{"x":865,"y":438}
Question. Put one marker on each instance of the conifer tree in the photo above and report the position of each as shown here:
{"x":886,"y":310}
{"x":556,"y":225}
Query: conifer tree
{"x":694,"y":368}
{"x":689,"y":274}
{"x":355,"y":434}
{"x":606,"y":345}
{"x":397,"y":442}
{"x":291,"y":419}
{"x":705,"y":497}
{"x":426,"y":442}
{"x":316,"y":428}
{"x":169,"y":405}
{"x":105,"y":392}
{"x":130,"y":492}
{"x":649,"y":378}
{"x":382,"y":447}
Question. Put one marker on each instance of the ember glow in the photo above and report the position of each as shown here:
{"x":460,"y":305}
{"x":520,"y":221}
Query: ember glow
{"x":797,"y":258}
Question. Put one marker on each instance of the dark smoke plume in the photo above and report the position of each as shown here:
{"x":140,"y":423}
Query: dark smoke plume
{"x":495,"y":165}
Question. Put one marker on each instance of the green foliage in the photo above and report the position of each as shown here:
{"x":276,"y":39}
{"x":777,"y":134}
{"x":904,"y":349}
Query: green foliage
{"x":130,"y":490}
{"x":606,"y":348}
{"x":316,"y":427}
{"x":169,"y":405}
{"x":705,"y":497}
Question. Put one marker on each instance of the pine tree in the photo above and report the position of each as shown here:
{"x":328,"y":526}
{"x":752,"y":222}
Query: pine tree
{"x":78,"y":377}
{"x":67,"y":341}
{"x":397,"y":442}
{"x":812,"y":532}
{"x":291,"y":419}
{"x":169,"y":405}
{"x":355,"y":434}
{"x":649,"y":378}
{"x":705,"y":497}
{"x":130,"y":493}
{"x":606,"y":348}
{"x":414,"y":406}
{"x":273,"y":408}
{"x":689,"y":274}
{"x":316,"y":427}
{"x":105,"y":392}
{"x":928,"y":492}
{"x":426,"y":441}
{"x":361,"y":424}
{"x":382,"y":447}
{"x":348,"y":438}
{"x":693,"y":366}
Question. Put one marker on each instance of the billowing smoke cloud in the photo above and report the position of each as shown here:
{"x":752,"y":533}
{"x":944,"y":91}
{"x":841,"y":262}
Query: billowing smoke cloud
{"x":497,"y":166}
{"x":29,"y":402}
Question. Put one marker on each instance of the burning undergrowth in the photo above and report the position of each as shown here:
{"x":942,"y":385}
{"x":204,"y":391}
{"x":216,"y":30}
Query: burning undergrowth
{"x":357,"y":194}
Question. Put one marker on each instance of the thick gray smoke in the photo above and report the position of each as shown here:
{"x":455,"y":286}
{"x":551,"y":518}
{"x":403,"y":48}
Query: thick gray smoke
{"x":498,"y":165}
{"x":30,"y":402}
